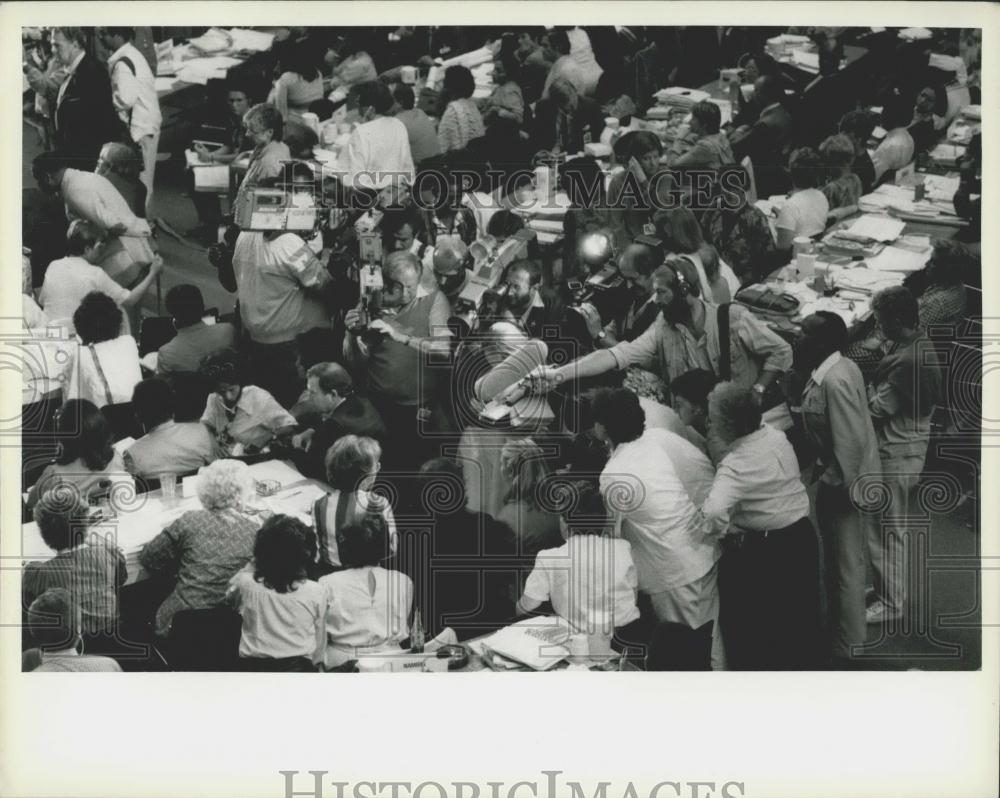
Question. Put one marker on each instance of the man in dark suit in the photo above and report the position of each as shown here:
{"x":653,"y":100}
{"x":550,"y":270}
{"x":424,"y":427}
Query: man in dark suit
{"x":85,"y":116}
{"x":341,"y":412}
{"x":767,"y":141}
{"x":567,"y":120}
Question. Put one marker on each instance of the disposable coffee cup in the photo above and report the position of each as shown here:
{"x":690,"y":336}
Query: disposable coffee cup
{"x":801,"y":244}
{"x":409,"y":75}
{"x":806,"y":265}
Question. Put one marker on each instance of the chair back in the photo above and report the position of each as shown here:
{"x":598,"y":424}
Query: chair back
{"x":122,"y":420}
{"x":676,"y":647}
{"x":205,"y":640}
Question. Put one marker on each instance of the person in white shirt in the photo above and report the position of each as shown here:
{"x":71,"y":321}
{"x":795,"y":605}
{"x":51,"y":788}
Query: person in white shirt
{"x":769,"y":575}
{"x":68,"y":280}
{"x":107,"y":368}
{"x":591,"y":579}
{"x":653,"y":483}
{"x":284,"y":612}
{"x":583,"y":53}
{"x":566,"y":66}
{"x":240,"y":415}
{"x":133,"y":87}
{"x":805,"y":211}
{"x":367,"y":605}
{"x":378,"y":151}
{"x":127,"y":250}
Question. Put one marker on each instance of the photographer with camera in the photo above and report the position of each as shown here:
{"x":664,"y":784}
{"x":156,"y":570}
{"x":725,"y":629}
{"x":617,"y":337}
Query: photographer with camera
{"x":282,"y":287}
{"x":636,"y":265}
{"x":408,"y":333}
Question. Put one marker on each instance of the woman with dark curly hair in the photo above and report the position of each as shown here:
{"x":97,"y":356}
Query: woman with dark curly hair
{"x":284,"y":612}
{"x":461,"y":121}
{"x":367,"y":605}
{"x":107,"y":368}
{"x":86,"y":465}
{"x":84,"y":564}
{"x":239,"y":414}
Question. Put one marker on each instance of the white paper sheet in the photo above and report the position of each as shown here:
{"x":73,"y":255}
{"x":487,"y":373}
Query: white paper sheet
{"x":254,"y":41}
{"x":879,"y":228}
{"x":894,"y":259}
{"x":278,"y":470}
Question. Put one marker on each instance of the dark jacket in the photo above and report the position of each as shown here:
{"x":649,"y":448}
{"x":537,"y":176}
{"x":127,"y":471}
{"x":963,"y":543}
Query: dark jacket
{"x":354,"y":416}
{"x":86,"y":118}
{"x":588,"y":119}
{"x":767,"y":143}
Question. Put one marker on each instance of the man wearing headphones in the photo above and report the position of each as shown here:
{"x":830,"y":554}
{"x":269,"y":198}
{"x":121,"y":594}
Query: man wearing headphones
{"x":686,"y":336}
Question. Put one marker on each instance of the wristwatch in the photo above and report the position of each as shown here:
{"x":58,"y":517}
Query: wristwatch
{"x":758,"y":389}
{"x":600,"y":336}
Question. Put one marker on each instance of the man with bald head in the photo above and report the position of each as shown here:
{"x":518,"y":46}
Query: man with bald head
{"x":450,"y":273}
{"x":636,"y":265}
{"x":407,"y":361}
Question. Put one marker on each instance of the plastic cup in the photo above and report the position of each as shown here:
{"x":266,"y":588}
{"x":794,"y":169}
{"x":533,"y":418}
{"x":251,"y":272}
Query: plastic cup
{"x":168,"y":487}
{"x":579,"y":649}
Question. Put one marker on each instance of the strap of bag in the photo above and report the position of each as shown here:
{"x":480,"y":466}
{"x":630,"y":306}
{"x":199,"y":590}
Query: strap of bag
{"x":319,"y":517}
{"x":725,"y":355}
{"x":100,"y":373}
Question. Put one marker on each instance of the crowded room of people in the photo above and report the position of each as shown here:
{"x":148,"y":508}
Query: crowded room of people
{"x":365,"y":349}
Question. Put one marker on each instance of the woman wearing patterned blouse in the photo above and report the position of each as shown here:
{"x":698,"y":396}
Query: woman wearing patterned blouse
{"x":461,"y":121}
{"x":741,"y":235}
{"x":205,"y":548}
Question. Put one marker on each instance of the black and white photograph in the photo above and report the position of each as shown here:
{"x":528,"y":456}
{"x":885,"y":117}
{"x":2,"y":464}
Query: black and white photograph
{"x":630,"y":354}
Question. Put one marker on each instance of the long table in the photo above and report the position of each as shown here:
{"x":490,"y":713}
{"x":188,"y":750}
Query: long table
{"x":137,"y":520}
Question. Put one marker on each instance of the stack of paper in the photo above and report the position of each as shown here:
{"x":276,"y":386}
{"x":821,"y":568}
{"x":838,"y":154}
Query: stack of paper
{"x":680,"y":97}
{"x":251,"y":41}
{"x":895,"y":259}
{"x":866,"y":281}
{"x":947,"y":154}
{"x":877,"y":228}
{"x":201,"y":70}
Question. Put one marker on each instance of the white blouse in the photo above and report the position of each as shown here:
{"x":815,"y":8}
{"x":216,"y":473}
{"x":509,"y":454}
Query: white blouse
{"x":367,"y":610}
{"x":117,"y":360}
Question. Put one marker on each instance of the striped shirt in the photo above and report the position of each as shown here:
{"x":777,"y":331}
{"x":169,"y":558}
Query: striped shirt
{"x":91,"y":572}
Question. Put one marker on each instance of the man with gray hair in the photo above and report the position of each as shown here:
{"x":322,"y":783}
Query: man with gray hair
{"x":400,"y":361}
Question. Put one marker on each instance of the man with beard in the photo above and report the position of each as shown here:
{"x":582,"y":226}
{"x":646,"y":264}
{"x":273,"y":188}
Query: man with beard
{"x":836,"y":417}
{"x":685,"y":337}
{"x":528,"y":304}
{"x":636,"y":266}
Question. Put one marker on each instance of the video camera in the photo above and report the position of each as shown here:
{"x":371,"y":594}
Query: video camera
{"x":485,"y":289}
{"x":595,"y":294}
{"x":293,"y":209}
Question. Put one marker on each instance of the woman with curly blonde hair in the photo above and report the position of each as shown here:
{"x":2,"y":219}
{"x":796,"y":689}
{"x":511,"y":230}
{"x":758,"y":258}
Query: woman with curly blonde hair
{"x":205,"y":547}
